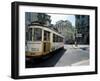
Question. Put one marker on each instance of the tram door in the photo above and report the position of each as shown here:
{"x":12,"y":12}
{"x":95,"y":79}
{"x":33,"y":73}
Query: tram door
{"x":46,"y":42}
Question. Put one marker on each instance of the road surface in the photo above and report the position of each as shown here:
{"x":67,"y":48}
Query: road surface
{"x":70,"y":56}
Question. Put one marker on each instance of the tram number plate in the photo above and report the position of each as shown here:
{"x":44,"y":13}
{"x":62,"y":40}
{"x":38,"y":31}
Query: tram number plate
{"x":34,"y":49}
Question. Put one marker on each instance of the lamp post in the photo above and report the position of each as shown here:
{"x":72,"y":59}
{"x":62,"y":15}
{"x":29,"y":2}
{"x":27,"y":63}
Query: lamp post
{"x":75,"y":37}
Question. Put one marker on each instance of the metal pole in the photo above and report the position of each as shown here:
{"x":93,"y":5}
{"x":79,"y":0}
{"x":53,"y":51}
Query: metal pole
{"x":76,"y":38}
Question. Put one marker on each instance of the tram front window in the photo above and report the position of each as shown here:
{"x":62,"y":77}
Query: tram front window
{"x":30,"y":34}
{"x":37,"y":34}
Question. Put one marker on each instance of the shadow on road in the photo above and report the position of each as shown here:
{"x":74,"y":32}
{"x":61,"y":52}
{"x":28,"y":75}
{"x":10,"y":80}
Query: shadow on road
{"x":46,"y":62}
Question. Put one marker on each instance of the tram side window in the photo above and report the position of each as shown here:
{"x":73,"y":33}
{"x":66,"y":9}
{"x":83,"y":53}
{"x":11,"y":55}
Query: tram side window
{"x":46,"y":36}
{"x":37,"y":34}
{"x":30,"y":34}
{"x":61,"y":39}
{"x":53,"y":37}
{"x":26,"y":36}
{"x":57,"y":38}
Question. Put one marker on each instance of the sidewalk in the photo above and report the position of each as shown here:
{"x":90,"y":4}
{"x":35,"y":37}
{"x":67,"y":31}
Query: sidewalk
{"x":81,"y":46}
{"x":84,"y":62}
{"x":84,"y":47}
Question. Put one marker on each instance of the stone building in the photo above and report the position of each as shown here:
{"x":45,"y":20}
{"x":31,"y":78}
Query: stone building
{"x":66,"y":29}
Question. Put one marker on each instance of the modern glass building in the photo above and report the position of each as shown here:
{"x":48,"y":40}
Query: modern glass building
{"x":82,"y":29}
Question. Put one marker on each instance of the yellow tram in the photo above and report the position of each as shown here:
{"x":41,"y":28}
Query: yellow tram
{"x":41,"y":41}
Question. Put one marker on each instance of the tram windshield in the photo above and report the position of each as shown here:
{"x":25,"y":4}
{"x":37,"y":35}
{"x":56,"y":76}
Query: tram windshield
{"x":30,"y":34}
{"x":37,"y":34}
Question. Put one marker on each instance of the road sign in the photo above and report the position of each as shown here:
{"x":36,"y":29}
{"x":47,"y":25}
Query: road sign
{"x":79,"y":35}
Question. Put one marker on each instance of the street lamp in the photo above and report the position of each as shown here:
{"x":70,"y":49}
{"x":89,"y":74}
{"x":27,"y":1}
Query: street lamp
{"x":75,"y":37}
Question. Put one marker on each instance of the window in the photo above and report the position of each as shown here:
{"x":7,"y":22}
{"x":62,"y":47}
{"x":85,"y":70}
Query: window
{"x":83,"y":16}
{"x":26,"y":36}
{"x":30,"y":34}
{"x":46,"y":36}
{"x":57,"y":38}
{"x":61,"y":39}
{"x":37,"y":34}
{"x":53,"y":37}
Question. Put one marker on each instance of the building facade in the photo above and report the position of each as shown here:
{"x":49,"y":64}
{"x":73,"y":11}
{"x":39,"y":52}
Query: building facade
{"x":66,"y":29}
{"x":82,"y":29}
{"x":41,"y":18}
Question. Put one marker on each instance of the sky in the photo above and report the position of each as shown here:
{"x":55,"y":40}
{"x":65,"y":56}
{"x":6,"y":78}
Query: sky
{"x":57,"y":17}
